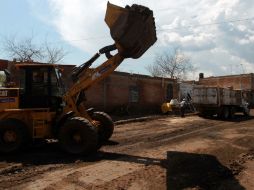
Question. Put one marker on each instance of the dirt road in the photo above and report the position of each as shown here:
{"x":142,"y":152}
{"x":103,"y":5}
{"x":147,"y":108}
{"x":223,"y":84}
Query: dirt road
{"x":165,"y":153}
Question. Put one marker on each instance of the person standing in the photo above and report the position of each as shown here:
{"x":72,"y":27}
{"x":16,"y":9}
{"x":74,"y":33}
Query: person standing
{"x":182,"y":107}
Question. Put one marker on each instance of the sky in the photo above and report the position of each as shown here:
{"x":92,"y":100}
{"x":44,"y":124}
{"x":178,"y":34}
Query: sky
{"x":218,"y":35}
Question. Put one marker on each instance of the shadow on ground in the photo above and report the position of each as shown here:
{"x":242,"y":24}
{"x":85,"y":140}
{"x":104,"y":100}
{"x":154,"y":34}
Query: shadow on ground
{"x":237,"y":118}
{"x":49,"y":153}
{"x":201,"y":171}
{"x":188,"y":170}
{"x":184,"y":170}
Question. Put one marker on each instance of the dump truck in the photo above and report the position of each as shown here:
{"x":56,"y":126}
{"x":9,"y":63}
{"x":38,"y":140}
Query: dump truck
{"x":222,"y":102}
{"x":40,"y":107}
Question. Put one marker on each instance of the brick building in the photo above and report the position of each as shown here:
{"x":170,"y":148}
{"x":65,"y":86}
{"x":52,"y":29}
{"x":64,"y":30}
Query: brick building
{"x":243,"y":81}
{"x":131,"y":93}
{"x":121,"y":92}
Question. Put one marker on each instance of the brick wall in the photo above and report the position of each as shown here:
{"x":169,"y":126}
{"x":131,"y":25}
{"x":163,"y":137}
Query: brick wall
{"x":244,"y":81}
{"x":115,"y":93}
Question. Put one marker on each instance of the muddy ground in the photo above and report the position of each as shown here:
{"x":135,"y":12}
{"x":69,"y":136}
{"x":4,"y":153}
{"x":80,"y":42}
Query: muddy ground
{"x":165,"y":153}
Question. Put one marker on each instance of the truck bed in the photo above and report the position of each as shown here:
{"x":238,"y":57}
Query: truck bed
{"x":215,"y":96}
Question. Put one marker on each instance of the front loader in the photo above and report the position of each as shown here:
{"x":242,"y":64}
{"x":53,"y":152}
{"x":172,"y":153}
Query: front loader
{"x":40,"y":108}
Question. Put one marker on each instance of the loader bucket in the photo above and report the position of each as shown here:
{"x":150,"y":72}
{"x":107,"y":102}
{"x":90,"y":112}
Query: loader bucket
{"x":132,"y":28}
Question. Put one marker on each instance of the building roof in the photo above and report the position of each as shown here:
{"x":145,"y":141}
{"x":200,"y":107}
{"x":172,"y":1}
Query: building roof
{"x":140,"y":76}
{"x":226,"y":76}
{"x":4,"y":64}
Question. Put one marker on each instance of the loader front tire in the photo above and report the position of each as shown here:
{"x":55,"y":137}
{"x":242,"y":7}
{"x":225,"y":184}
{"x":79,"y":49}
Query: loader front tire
{"x":12,"y":135}
{"x":78,"y":136}
{"x":106,"y":125}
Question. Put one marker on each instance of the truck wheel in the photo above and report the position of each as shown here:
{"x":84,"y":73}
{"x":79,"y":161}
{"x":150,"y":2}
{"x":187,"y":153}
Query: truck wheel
{"x":12,"y":135}
{"x":106,"y":125}
{"x":78,"y":136}
{"x":246,"y":112}
{"x":232,"y":112}
{"x":226,"y":113}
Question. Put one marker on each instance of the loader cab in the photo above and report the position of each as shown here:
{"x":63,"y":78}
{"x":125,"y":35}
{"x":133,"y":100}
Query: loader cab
{"x":40,"y":86}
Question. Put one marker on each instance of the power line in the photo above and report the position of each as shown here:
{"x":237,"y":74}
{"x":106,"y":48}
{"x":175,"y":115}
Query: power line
{"x":166,"y":9}
{"x":82,"y":39}
{"x":91,"y":38}
{"x":209,"y":24}
{"x":176,"y":28}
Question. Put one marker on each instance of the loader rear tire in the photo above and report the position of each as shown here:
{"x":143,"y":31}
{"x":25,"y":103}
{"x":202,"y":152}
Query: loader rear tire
{"x":106,"y":126}
{"x":78,"y":136}
{"x":12,"y":135}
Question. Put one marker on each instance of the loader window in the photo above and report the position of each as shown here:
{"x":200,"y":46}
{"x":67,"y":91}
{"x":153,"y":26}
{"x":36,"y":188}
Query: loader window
{"x":2,"y":78}
{"x":40,"y":88}
{"x":55,"y":89}
{"x":40,"y":82}
{"x":22,"y":81}
{"x":38,"y":77}
{"x":60,"y":82}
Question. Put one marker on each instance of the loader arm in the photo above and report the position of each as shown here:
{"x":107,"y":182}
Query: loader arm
{"x":73,"y":98}
{"x":133,"y":30}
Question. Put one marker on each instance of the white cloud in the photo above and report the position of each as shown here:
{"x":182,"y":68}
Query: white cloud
{"x":183,"y":23}
{"x":77,"y":20}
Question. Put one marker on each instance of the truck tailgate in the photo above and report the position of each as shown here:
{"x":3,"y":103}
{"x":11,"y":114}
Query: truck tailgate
{"x":204,"y":95}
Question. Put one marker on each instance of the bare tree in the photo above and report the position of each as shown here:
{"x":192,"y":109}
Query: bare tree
{"x":23,"y":50}
{"x":155,"y":70}
{"x":173,"y":64}
{"x":27,"y":50}
{"x":54,"y":54}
